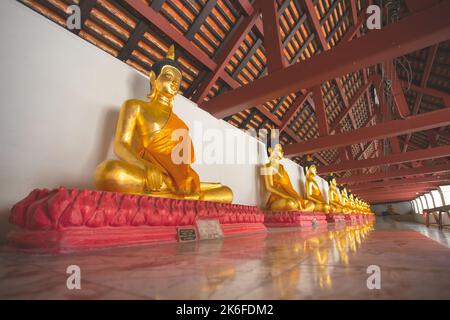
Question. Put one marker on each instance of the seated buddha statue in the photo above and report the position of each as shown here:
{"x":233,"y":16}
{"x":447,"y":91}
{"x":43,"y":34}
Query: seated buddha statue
{"x":357,"y":205}
{"x":345,"y":200}
{"x":283,"y":196}
{"x":145,"y":145}
{"x":360,"y":205}
{"x":333,"y":196}
{"x":312,"y":190}
{"x":351,"y":203}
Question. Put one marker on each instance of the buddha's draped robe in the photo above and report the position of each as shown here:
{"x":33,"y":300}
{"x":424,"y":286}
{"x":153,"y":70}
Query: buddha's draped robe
{"x":282,"y":182}
{"x":160,"y":147}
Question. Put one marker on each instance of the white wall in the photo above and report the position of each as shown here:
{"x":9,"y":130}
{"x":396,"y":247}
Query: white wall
{"x":59,"y":104}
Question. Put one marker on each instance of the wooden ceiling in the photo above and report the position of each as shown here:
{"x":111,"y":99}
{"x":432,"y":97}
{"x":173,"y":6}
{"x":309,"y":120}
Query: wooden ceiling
{"x":307,"y":28}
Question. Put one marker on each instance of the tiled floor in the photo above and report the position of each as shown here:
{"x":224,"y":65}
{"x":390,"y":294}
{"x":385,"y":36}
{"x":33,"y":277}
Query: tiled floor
{"x":327,"y":263}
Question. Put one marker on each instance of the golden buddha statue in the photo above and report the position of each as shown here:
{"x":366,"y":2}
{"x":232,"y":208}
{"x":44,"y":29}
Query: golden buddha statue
{"x":336,"y":205}
{"x":345,"y":200}
{"x":145,"y":145}
{"x":351,"y":203}
{"x":312,"y":190}
{"x":283,"y":196}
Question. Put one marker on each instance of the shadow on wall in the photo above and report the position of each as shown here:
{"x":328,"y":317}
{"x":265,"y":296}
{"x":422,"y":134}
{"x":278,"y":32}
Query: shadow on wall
{"x":104,"y":150}
{"x":260,"y":188}
{"x":106,"y":136}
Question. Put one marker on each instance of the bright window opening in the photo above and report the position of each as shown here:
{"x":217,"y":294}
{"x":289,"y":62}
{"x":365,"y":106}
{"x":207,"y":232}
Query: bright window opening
{"x":419,"y":205}
{"x":424,"y":202}
{"x":446,"y":192}
{"x":430,"y":202}
{"x":437,"y":198}
{"x":414,"y":204}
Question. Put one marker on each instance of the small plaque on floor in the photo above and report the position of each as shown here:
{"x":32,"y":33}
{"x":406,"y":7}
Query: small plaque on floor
{"x":186,"y":234}
{"x":209,"y":229}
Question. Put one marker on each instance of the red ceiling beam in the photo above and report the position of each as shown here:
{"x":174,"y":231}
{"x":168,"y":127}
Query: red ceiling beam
{"x":272,"y":39}
{"x":248,"y":9}
{"x":395,"y":145}
{"x":316,"y":24}
{"x":394,"y":188}
{"x":421,"y":122}
{"x":409,"y":34}
{"x":418,"y":155}
{"x":321,"y":113}
{"x":290,"y":113}
{"x":395,"y":174}
{"x":233,"y":44}
{"x":397,"y":91}
{"x":426,"y":74}
{"x":350,"y":105}
{"x":431,"y":92}
{"x":401,"y":182}
{"x":160,"y":22}
{"x":401,"y":197}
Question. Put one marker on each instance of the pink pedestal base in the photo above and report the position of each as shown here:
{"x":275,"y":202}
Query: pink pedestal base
{"x":64,"y":220}
{"x":276,"y":219}
{"x":336,"y":218}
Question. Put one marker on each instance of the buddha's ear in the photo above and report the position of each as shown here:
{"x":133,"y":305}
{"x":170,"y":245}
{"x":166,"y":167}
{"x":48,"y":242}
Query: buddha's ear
{"x":152,"y":77}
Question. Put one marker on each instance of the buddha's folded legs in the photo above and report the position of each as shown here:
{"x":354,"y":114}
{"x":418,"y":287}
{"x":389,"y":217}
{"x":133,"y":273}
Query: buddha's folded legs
{"x":216,"y":192}
{"x":309,"y":206}
{"x":119,"y":176}
{"x":284,"y":205}
{"x":322,"y":207}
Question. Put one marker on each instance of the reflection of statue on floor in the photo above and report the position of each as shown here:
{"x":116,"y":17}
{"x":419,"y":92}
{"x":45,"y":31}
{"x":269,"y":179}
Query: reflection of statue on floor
{"x":145,"y":145}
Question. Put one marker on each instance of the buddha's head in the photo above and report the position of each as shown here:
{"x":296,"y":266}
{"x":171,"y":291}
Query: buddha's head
{"x":350,"y":196}
{"x":276,"y":153}
{"x":344,"y":193}
{"x":165,"y":76}
{"x":331,"y":181}
{"x":310,"y":167}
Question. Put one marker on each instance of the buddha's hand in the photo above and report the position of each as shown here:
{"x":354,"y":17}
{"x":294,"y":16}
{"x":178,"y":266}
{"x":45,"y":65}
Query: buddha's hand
{"x":154,"y":178}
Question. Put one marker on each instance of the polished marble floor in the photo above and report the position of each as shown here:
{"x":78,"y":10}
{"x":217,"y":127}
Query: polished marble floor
{"x":325,"y":263}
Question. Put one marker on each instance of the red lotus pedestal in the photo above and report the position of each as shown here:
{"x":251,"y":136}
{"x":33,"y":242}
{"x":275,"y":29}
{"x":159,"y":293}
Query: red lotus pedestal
{"x":63,"y":219}
{"x":293,"y":218}
{"x":351,"y":218}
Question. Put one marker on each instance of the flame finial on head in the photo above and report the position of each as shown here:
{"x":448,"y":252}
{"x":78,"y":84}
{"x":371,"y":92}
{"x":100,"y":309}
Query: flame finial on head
{"x":171,"y":53}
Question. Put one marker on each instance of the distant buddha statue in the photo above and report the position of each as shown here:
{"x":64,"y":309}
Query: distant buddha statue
{"x":336,"y":205}
{"x":283,"y":196}
{"x":345,"y":200}
{"x":312,"y":190}
{"x":145,"y":145}
{"x":351,"y":203}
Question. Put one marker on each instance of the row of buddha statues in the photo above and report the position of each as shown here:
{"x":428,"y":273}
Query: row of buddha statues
{"x":144,"y":145}
{"x":283,"y":196}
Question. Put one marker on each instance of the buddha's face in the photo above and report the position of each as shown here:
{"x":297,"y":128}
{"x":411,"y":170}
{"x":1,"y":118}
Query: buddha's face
{"x":276,"y":153}
{"x":168,"y":81}
{"x":312,"y":170}
{"x":333,"y":182}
